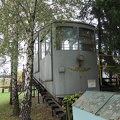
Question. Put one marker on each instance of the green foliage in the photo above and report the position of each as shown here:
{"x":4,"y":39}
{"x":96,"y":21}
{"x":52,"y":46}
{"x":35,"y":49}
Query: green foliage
{"x":67,"y":104}
{"x":21,"y":19}
{"x":106,"y":13}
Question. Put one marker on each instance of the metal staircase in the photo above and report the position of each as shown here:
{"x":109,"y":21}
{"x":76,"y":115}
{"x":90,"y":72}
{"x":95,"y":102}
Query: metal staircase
{"x":50,"y":100}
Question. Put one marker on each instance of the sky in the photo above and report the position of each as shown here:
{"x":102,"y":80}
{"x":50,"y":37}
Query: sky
{"x":6,"y":68}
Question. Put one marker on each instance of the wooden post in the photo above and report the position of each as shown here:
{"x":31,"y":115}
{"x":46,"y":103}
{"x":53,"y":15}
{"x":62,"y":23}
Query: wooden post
{"x":38,"y":98}
{"x":2,"y":89}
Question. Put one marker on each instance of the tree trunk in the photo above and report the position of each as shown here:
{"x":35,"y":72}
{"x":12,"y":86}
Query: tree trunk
{"x":3,"y":90}
{"x":23,"y":78}
{"x":26,"y":102}
{"x":15,"y":100}
{"x":99,"y":45}
{"x":11,"y":83}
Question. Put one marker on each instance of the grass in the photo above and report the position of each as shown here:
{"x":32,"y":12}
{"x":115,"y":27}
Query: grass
{"x":5,"y":108}
{"x":38,"y":112}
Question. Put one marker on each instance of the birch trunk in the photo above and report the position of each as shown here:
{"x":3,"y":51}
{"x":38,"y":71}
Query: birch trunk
{"x":15,"y":100}
{"x":11,"y":84}
{"x":26,"y":102}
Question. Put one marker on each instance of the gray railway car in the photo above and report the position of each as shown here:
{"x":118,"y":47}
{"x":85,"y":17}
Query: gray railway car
{"x":65,"y":60}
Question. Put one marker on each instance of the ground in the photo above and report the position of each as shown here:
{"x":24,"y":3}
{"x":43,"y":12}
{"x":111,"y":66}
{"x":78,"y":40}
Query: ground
{"x":39,"y":111}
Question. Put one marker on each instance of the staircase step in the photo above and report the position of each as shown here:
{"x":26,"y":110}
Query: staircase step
{"x":54,"y":106}
{"x":48,"y":99}
{"x":43,"y":93}
{"x":62,"y":116}
{"x":57,"y":111}
{"x":50,"y":103}
{"x":41,"y":90}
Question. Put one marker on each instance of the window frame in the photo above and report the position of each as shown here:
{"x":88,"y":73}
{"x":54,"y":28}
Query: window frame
{"x":43,"y":41}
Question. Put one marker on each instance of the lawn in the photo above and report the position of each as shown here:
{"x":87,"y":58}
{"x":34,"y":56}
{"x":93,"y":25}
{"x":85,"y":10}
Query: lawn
{"x":38,"y":112}
{"x":5,"y":108}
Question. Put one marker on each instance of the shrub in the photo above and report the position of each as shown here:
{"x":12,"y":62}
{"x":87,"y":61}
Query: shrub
{"x":67,"y":104}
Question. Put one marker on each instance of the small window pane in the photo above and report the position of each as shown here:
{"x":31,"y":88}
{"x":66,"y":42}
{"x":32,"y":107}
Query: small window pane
{"x":48,"y":44}
{"x":45,"y":43}
{"x":86,"y":40}
{"x":66,"y":38}
{"x":36,"y":56}
{"x":43,"y":50}
{"x":36,"y":46}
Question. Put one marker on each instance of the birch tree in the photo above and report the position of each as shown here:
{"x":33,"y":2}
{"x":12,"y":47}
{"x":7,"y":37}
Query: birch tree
{"x":10,"y":47}
{"x":32,"y":16}
{"x":35,"y":15}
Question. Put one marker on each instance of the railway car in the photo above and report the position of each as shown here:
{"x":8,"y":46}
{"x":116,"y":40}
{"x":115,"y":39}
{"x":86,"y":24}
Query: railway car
{"x":65,"y":60}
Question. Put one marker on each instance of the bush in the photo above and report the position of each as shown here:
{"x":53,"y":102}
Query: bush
{"x":67,"y":104}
